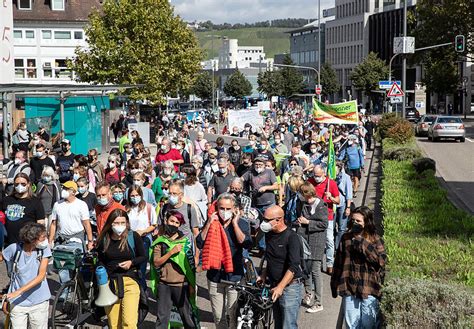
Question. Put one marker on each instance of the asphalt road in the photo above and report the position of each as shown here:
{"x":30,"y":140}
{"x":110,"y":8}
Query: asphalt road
{"x":454,"y":166}
{"x":328,"y":318}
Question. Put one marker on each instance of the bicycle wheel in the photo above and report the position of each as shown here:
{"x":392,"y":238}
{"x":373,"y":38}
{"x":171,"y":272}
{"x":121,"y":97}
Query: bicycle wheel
{"x":266,"y":321}
{"x":67,"y":306}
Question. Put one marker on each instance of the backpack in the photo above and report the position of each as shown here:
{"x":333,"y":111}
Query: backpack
{"x":16,"y":258}
{"x":290,"y":210}
{"x":15,"y":138}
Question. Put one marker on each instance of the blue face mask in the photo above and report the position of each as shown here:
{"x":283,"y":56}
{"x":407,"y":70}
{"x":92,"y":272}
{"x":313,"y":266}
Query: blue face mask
{"x":47,"y":179}
{"x":102,"y":201}
{"x":173,"y":200}
{"x":118,"y":196}
{"x":136,"y":199}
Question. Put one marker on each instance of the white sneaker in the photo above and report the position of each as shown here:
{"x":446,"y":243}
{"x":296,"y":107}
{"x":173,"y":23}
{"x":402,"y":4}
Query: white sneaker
{"x":308,"y":299}
{"x":315,"y":309}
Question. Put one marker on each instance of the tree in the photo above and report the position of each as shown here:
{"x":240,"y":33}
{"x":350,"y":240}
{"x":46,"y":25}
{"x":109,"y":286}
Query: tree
{"x":139,"y":42}
{"x":202,"y":87}
{"x":439,"y":23}
{"x":329,"y":80}
{"x":292,"y":79}
{"x":237,"y":85}
{"x":367,"y":74}
{"x":270,"y":83}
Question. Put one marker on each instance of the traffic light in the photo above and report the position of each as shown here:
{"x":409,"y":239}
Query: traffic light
{"x":460,"y":43}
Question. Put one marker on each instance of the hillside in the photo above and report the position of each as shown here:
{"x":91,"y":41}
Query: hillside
{"x":273,"y":39}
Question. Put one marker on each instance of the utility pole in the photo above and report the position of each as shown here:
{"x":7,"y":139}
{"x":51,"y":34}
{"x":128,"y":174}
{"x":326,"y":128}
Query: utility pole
{"x":319,"y":46}
{"x":404,"y":65}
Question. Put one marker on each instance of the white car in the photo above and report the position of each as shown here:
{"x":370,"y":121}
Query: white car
{"x":447,"y":127}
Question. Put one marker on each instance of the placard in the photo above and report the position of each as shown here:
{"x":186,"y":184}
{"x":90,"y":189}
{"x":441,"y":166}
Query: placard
{"x":238,"y":118}
{"x":143,"y":128}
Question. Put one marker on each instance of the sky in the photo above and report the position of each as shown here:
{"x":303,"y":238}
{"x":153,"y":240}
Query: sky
{"x":247,"y":11}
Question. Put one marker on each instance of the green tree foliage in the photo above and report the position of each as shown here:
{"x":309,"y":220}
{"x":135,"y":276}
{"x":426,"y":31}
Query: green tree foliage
{"x":329,"y":80}
{"x":237,"y":85}
{"x":439,"y":22}
{"x":292,"y":79}
{"x":139,"y":42}
{"x":367,"y":74}
{"x":270,"y":83}
{"x":202,"y":87}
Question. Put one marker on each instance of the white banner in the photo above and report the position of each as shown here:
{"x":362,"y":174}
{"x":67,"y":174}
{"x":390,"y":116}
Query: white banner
{"x":238,"y":118}
{"x":7,"y":68}
{"x":264,"y":105}
{"x":143,"y":128}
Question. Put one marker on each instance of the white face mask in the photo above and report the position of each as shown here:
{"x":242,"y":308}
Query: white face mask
{"x":259,"y":170}
{"x":20,"y":189}
{"x":137,"y":183}
{"x":17,"y":161}
{"x":119,"y":229}
{"x":43,"y":244}
{"x":319,"y":179}
{"x":225,"y":215}
{"x":111,"y":164}
{"x":164,"y":147}
{"x":64,"y":194}
{"x":265,"y":227}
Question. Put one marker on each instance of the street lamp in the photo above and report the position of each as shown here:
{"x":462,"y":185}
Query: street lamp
{"x":304,"y":68}
{"x":212,"y":36}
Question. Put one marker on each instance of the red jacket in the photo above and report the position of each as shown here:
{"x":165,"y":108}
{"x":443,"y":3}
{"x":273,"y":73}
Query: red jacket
{"x":216,"y":252}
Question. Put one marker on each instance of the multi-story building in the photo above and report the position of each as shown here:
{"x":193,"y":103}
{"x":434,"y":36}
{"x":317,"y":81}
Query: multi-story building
{"x":232,"y":56}
{"x":46,"y":34}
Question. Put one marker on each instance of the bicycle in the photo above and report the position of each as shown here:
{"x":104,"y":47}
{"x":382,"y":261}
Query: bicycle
{"x":74,"y":301}
{"x":254,"y":306}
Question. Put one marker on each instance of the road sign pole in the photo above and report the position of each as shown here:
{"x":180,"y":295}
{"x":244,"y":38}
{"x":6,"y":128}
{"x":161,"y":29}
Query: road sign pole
{"x":404,"y":68}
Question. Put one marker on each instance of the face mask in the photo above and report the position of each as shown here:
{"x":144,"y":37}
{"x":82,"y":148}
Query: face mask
{"x":236,"y":147}
{"x":75,"y":177}
{"x":17,"y":161}
{"x":64,"y":194}
{"x":119,"y":229}
{"x":247,"y":128}
{"x":42,"y":245}
{"x":167,"y":171}
{"x":277,"y":141}
{"x":118,"y":196}
{"x":163,"y":148}
{"x":261,"y":147}
{"x":350,"y":142}
{"x":111,"y":165}
{"x":236,"y":193}
{"x":134,"y":171}
{"x":357,"y":228}
{"x":47,"y":179}
{"x":82,"y":190}
{"x":136,"y":199}
{"x":173,"y":200}
{"x":64,"y":148}
{"x":20,"y":189}
{"x":265,"y":227}
{"x":103,"y":201}
{"x":314,"y":150}
{"x":137,"y":183}
{"x":225,"y":215}
{"x":252,"y":143}
{"x":171,"y":230}
{"x":319,"y":179}
{"x":166,"y":193}
{"x":259,"y":170}
{"x":223,"y":171}
{"x":282,"y":130}
{"x":39,"y":154}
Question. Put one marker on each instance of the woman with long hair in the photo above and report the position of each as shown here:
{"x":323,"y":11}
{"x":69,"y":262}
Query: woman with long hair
{"x":21,"y":207}
{"x":113,"y":173}
{"x":122,"y":262}
{"x":359,"y":270}
{"x":193,"y":189}
{"x":142,"y":217}
{"x":48,"y":191}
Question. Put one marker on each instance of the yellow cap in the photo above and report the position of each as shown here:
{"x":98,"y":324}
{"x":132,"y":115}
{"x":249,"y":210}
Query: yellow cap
{"x":70,"y":185}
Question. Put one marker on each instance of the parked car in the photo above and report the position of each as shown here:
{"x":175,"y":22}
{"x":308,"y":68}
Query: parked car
{"x":412,"y":114}
{"x":422,"y":126}
{"x":447,"y":127}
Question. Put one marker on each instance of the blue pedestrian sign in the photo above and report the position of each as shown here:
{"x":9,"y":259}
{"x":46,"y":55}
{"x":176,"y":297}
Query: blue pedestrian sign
{"x":386,"y":84}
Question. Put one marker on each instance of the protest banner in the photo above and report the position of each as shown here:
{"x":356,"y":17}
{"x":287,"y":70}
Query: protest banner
{"x":341,"y":113}
{"x":238,"y":118}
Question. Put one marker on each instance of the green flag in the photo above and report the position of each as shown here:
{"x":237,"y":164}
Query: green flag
{"x":331,"y":158}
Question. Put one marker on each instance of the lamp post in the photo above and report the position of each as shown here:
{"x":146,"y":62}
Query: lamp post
{"x":304,"y":68}
{"x":212,"y":36}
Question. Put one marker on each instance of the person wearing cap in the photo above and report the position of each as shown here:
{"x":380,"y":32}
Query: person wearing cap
{"x":65,"y":161}
{"x":168,"y":153}
{"x":71,"y":216}
{"x":220,"y":182}
{"x":247,"y":131}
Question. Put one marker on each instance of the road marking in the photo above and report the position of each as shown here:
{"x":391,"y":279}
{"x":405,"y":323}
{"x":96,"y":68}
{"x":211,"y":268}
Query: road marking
{"x":470,"y":140}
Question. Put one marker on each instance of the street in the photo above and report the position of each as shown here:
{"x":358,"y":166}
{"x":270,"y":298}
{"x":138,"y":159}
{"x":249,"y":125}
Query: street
{"x":455,"y":166}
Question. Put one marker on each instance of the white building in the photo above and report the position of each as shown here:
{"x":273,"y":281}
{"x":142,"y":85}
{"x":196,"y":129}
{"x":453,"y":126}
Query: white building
{"x":46,"y":34}
{"x":232,"y":56}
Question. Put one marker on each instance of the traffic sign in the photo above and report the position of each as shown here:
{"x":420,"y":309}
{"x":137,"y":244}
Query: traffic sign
{"x":395,"y":91}
{"x":395,"y":100}
{"x":318,"y":89}
{"x":386,"y":84}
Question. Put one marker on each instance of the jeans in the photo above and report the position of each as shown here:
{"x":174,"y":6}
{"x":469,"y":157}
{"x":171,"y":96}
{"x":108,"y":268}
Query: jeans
{"x":261,"y":242}
{"x":315,"y":282}
{"x":286,"y":308}
{"x":36,"y":316}
{"x":146,"y":244}
{"x":330,"y":244}
{"x":361,"y":313}
{"x":341,"y":219}
{"x":223,"y":303}
{"x":177,"y":296}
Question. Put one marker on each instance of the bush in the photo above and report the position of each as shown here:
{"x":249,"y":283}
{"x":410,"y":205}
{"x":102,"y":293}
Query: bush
{"x":415,"y":303}
{"x":401,"y":132}
{"x":388,"y":121}
{"x":423,"y":164}
{"x":401,"y":154}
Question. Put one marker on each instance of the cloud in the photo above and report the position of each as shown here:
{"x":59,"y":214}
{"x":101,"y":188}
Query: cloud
{"x":247,"y":11}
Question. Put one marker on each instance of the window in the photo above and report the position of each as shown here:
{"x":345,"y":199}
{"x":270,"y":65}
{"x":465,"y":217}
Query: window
{"x":17,"y":34}
{"x":29,"y":34}
{"x":19,"y":70}
{"x":46,"y":34}
{"x":61,"y":71}
{"x":62,"y":35}
{"x":24,"y":4}
{"x":78,"y":35}
{"x":47,"y":70}
{"x":28,"y":71}
{"x":57,"y":4}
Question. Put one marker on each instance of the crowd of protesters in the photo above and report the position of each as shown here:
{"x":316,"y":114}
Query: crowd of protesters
{"x":197,"y":205}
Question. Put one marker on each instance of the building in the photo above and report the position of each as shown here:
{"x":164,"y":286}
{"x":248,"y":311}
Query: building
{"x":232,"y":56}
{"x":46,"y":34}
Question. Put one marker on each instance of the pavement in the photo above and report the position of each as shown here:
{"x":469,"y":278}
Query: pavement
{"x":454,"y":166}
{"x":330,"y":317}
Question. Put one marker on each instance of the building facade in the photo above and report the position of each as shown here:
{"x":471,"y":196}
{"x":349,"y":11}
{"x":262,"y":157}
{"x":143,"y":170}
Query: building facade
{"x":46,"y":34}
{"x":232,"y":56}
